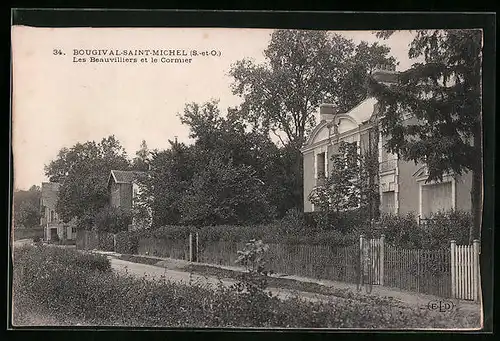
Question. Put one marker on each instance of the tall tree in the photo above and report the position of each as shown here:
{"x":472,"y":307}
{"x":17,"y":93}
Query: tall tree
{"x":83,"y":171}
{"x":227,"y":137}
{"x":352,"y":87}
{"x":282,"y":94}
{"x":169,"y":176}
{"x":224,"y":193}
{"x":230,"y":138}
{"x":443,"y":94}
{"x":302,"y":70}
{"x":142,"y":158}
{"x":26,"y":207}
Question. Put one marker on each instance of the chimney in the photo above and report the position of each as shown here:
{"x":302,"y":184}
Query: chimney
{"x":327,"y":112}
{"x":385,"y":74}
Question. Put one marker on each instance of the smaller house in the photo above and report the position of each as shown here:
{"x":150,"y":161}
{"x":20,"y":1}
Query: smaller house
{"x":52,"y":224}
{"x":124,"y":190}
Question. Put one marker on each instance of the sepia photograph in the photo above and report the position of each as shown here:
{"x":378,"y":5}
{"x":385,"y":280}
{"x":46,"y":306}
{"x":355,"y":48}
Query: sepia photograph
{"x":247,"y":178}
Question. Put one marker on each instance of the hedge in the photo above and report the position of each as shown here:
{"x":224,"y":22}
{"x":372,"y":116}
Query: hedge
{"x":62,"y":256}
{"x":403,"y":231}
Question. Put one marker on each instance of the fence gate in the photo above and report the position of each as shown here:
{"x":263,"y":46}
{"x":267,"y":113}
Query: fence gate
{"x":371,"y":259}
{"x":465,"y":274}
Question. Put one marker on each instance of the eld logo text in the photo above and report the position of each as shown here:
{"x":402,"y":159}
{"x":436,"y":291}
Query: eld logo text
{"x":441,"y":306}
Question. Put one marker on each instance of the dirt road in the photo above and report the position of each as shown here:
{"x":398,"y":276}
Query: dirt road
{"x":154,"y":272}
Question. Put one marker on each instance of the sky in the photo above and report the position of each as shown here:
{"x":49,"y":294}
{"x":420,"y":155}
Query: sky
{"x":59,"y":100}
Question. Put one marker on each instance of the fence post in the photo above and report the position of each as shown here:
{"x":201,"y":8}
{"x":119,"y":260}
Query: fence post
{"x":197,"y":252}
{"x":453,"y":269}
{"x":362,"y":255}
{"x":114,"y":242}
{"x":381,"y":267}
{"x":190,"y":247}
{"x":194,"y":246}
{"x":476,"y":275}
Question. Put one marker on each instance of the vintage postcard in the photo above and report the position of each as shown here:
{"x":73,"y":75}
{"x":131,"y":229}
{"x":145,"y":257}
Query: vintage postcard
{"x":247,"y":178}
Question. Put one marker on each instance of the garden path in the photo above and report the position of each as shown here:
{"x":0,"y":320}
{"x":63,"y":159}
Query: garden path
{"x":155,"y":272}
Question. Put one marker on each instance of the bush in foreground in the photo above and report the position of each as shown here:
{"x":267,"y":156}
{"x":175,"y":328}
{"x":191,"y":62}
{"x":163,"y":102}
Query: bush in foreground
{"x":72,"y":291}
{"x":33,"y":258}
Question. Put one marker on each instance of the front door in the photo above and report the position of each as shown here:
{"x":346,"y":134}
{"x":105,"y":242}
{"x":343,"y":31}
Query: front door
{"x":53,"y":233}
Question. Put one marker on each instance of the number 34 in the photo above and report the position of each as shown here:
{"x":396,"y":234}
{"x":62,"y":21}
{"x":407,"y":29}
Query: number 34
{"x":57,"y":52}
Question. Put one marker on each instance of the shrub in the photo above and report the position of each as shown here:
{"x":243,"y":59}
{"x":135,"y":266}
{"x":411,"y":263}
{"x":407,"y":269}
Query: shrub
{"x":127,"y":242}
{"x":404,"y":231}
{"x":321,"y":237}
{"x":105,"y":241}
{"x":401,"y":230}
{"x":292,"y":221}
{"x":446,"y":226}
{"x":295,"y":228}
{"x":343,"y":222}
{"x":31,"y":256}
{"x":169,"y":232}
{"x":277,"y":233}
{"x":112,"y":219}
{"x":254,"y":281}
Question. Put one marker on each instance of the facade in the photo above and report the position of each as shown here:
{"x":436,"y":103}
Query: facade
{"x":50,"y":220}
{"x":402,"y":185}
{"x":124,"y":190}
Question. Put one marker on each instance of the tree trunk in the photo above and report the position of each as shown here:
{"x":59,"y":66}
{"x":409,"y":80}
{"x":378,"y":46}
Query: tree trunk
{"x":477,"y":191}
{"x":477,"y":205}
{"x":298,"y":175}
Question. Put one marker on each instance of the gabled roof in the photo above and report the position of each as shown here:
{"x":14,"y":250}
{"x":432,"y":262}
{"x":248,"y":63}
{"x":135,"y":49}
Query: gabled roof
{"x":124,"y":177}
{"x":421,"y":172}
{"x":358,"y":115}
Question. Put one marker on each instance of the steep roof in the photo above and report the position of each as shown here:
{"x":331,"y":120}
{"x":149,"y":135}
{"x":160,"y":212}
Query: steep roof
{"x":353,"y":118}
{"x":124,"y":177}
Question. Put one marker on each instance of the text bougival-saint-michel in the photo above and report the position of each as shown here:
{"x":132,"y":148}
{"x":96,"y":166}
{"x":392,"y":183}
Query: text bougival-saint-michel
{"x":116,"y":52}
